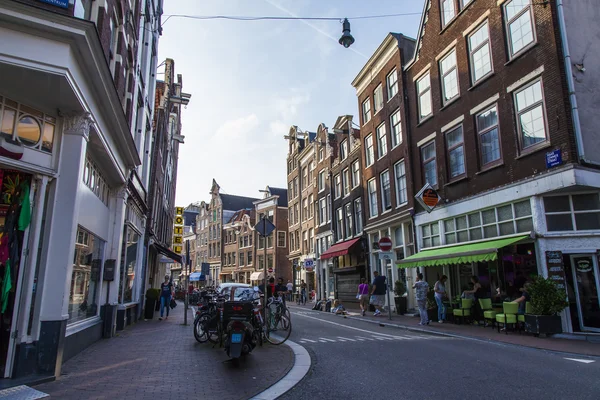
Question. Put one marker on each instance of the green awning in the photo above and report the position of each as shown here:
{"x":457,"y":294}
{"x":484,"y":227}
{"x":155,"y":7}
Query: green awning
{"x":459,"y":254}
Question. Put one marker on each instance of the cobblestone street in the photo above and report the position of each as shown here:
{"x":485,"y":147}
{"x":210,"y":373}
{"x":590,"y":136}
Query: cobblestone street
{"x":161,"y":359}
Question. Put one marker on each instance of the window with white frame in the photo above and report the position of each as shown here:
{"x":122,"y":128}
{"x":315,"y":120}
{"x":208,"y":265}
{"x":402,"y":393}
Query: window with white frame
{"x":369,"y":151}
{"x":321,"y":180}
{"x":576,"y":212}
{"x":32,"y":128}
{"x":503,"y":220}
{"x":396,"y":128}
{"x":518,"y":17}
{"x":344,"y":150}
{"x":378,"y":98}
{"x":392,"y":84}
{"x":322,"y":211}
{"x":424,"y":93}
{"x":489,"y":136}
{"x":358,"y":222}
{"x":430,"y":234}
{"x":400,"y":176}
{"x":480,"y":53}
{"x":321,"y":154}
{"x":338,"y":186}
{"x":311,"y":207}
{"x":428,"y":161}
{"x":366,"y":110}
{"x":348,"y":215}
{"x":95,"y":181}
{"x":381,"y":141}
{"x":311,"y":240}
{"x":372,"y":189}
{"x":531,"y":115}
{"x":449,"y":74}
{"x":386,"y":191}
{"x":346,"y":181}
{"x":355,"y":174}
{"x":456,"y":152}
{"x":339,"y":223}
{"x":448,"y":11}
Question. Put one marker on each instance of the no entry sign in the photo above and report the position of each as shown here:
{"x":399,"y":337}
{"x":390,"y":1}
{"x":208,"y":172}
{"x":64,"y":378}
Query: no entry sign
{"x":385,"y":244}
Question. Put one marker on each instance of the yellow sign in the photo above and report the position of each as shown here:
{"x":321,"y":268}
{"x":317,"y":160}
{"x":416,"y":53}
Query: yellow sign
{"x":178,"y":239}
{"x":179,"y":220}
{"x":178,"y":210}
{"x":178,"y":230}
{"x":177,"y":249}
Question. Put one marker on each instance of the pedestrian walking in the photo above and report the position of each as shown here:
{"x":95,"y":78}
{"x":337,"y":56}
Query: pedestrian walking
{"x":421,"y":295}
{"x":363,"y":296}
{"x":440,"y":293}
{"x":303,"y":287}
{"x":290,"y":288}
{"x":166,"y":294}
{"x":378,"y":291}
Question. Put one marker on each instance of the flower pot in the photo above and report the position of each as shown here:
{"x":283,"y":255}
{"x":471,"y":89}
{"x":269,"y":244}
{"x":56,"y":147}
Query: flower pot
{"x":149,"y":309}
{"x":401,"y":305}
{"x":543,"y":324}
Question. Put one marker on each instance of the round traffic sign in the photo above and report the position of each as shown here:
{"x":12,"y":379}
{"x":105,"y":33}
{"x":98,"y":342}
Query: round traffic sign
{"x":385,"y":244}
{"x":270,"y":270}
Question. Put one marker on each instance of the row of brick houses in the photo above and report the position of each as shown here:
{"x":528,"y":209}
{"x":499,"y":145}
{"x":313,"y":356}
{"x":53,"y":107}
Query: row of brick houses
{"x":491,"y":109}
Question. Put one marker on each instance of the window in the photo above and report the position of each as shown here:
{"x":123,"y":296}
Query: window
{"x":280,"y":239}
{"x":305,"y":240}
{"x":577,"y":212}
{"x":429,"y":163}
{"x":396,"y":129}
{"x":32,"y":128}
{"x":386,"y":191}
{"x":366,"y":111}
{"x":311,"y":207}
{"x":456,"y":152}
{"x":338,"y":186}
{"x":449,"y":74}
{"x":304,"y":178}
{"x":381,"y":141}
{"x":344,"y":150}
{"x":346,"y":181}
{"x":321,"y":154}
{"x":93,"y":179}
{"x":249,"y":258}
{"x":322,"y":211}
{"x":358,"y":216}
{"x":489,"y":141}
{"x":424,"y":93}
{"x":85,"y":278}
{"x":311,"y":240}
{"x":400,"y":176}
{"x":392,"y":84}
{"x":348,"y":214}
{"x":531,"y":119}
{"x":311,"y":172}
{"x":328,"y":208}
{"x":519,"y":25}
{"x":378,"y":98}
{"x":372,"y":188}
{"x":241,"y":258}
{"x":355,"y":174}
{"x":480,"y":53}
{"x":431,"y":234}
{"x":369,"y":153}
{"x":339,"y":223}
{"x":304,"y":209}
{"x":321,"y":180}
{"x":448,"y":11}
{"x":292,"y":242}
{"x":269,"y":241}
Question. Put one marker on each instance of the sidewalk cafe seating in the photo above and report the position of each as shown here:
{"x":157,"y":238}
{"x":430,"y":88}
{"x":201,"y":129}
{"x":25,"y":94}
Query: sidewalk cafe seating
{"x":521,"y":318}
{"x":509,"y":316}
{"x":488,"y":312}
{"x":464,"y":310}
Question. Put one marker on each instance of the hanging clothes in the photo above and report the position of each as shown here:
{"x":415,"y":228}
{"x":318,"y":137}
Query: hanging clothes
{"x":25,"y":215}
{"x":6,"y":286}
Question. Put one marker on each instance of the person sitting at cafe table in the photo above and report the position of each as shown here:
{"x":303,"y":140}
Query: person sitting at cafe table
{"x":478,"y":293}
{"x":525,"y":297}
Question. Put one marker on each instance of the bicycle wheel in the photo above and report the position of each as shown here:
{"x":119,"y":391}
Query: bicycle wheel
{"x":279,"y":328}
{"x":200,"y":328}
{"x":212,"y":331}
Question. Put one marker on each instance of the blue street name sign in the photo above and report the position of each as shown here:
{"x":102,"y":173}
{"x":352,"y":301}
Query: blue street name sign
{"x":57,"y":3}
{"x":553,"y":158}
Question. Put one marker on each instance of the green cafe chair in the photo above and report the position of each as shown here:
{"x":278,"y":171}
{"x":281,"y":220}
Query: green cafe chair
{"x":464,"y":310}
{"x":521,"y":318}
{"x":509,"y":316}
{"x":488,"y":312}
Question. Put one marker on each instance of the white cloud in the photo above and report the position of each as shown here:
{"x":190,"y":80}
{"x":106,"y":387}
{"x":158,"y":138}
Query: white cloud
{"x":288,"y":106}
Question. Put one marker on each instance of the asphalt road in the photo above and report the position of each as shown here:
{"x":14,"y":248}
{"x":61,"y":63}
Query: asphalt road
{"x":359,"y":360}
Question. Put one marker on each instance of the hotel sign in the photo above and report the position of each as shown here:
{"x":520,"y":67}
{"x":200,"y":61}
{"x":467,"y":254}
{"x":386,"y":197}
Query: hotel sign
{"x":57,"y":3}
{"x":178,"y":231}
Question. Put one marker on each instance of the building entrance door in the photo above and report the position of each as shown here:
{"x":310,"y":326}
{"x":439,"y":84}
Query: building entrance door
{"x":585,"y":278}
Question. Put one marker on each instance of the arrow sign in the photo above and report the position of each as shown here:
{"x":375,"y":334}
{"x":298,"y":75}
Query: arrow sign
{"x":264,"y":227}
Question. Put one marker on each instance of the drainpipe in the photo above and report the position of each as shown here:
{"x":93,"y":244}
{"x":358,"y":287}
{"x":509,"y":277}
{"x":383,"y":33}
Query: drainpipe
{"x":570,"y":83}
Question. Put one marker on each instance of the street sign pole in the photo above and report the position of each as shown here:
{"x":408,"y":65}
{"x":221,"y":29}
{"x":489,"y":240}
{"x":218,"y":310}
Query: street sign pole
{"x":264,"y":228}
{"x":187,"y":280}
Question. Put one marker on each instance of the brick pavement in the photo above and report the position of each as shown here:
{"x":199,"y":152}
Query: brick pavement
{"x":162,"y":360}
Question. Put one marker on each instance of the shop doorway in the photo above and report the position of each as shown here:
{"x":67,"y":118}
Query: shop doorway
{"x":586,"y":286}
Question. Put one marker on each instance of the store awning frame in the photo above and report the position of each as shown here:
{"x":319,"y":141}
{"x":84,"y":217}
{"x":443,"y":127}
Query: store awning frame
{"x":197,"y":276}
{"x":339,"y":249}
{"x":168,"y":253}
{"x":463,"y":253}
{"x":257,"y":276}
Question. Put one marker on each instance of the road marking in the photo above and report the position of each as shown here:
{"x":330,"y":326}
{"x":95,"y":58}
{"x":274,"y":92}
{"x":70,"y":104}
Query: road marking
{"x":580,"y":360}
{"x":364,"y":338}
{"x":329,"y":340}
{"x":346,"y":326}
{"x":341,"y":338}
{"x":307,"y":340}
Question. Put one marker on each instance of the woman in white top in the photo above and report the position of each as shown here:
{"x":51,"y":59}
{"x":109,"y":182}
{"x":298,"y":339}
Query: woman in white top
{"x":440,"y":293}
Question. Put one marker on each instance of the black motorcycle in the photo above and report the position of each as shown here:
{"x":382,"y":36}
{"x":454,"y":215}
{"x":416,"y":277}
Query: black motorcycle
{"x":240,"y":327}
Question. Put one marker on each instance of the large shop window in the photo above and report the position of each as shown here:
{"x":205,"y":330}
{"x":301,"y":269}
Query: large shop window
{"x":577,"y":212}
{"x":128,"y":261}
{"x":26,"y":125}
{"x":85,"y":281}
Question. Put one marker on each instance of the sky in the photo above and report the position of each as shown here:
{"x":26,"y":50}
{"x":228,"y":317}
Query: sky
{"x":251,"y":81}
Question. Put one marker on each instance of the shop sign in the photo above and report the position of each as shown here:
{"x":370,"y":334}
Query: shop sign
{"x":57,"y":3}
{"x":584,"y":266}
{"x":309,"y":264}
{"x":386,"y":255}
{"x":178,"y":231}
{"x":556,"y":270}
{"x":553,"y":158}
{"x":428,"y":197}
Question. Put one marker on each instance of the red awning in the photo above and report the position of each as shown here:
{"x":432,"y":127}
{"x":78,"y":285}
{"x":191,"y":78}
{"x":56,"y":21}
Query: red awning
{"x":339,"y":249}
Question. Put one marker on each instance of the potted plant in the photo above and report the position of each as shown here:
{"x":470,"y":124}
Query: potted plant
{"x":432,"y":313}
{"x":151,"y":302}
{"x":400,"y":297}
{"x":547,"y":301}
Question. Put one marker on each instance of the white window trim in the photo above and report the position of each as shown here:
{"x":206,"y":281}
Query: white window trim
{"x":383,"y":205}
{"x":524,"y":80}
{"x":485,"y":104}
{"x":370,"y":135}
{"x":426,"y":139}
{"x":478,"y":134}
{"x":371,"y":214}
{"x":507,"y":30}
{"x":471,"y":51}
{"x":460,"y":176}
{"x":476,"y":24}
{"x":352,"y":172}
{"x":452,"y":124}
{"x":388,"y":86}
{"x":396,"y":188}
{"x":387,"y":150}
{"x":362,"y":110}
{"x":544,"y":143}
{"x":455,"y":69}
{"x":379,"y":87}
{"x":284,"y":239}
{"x":420,"y":117}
